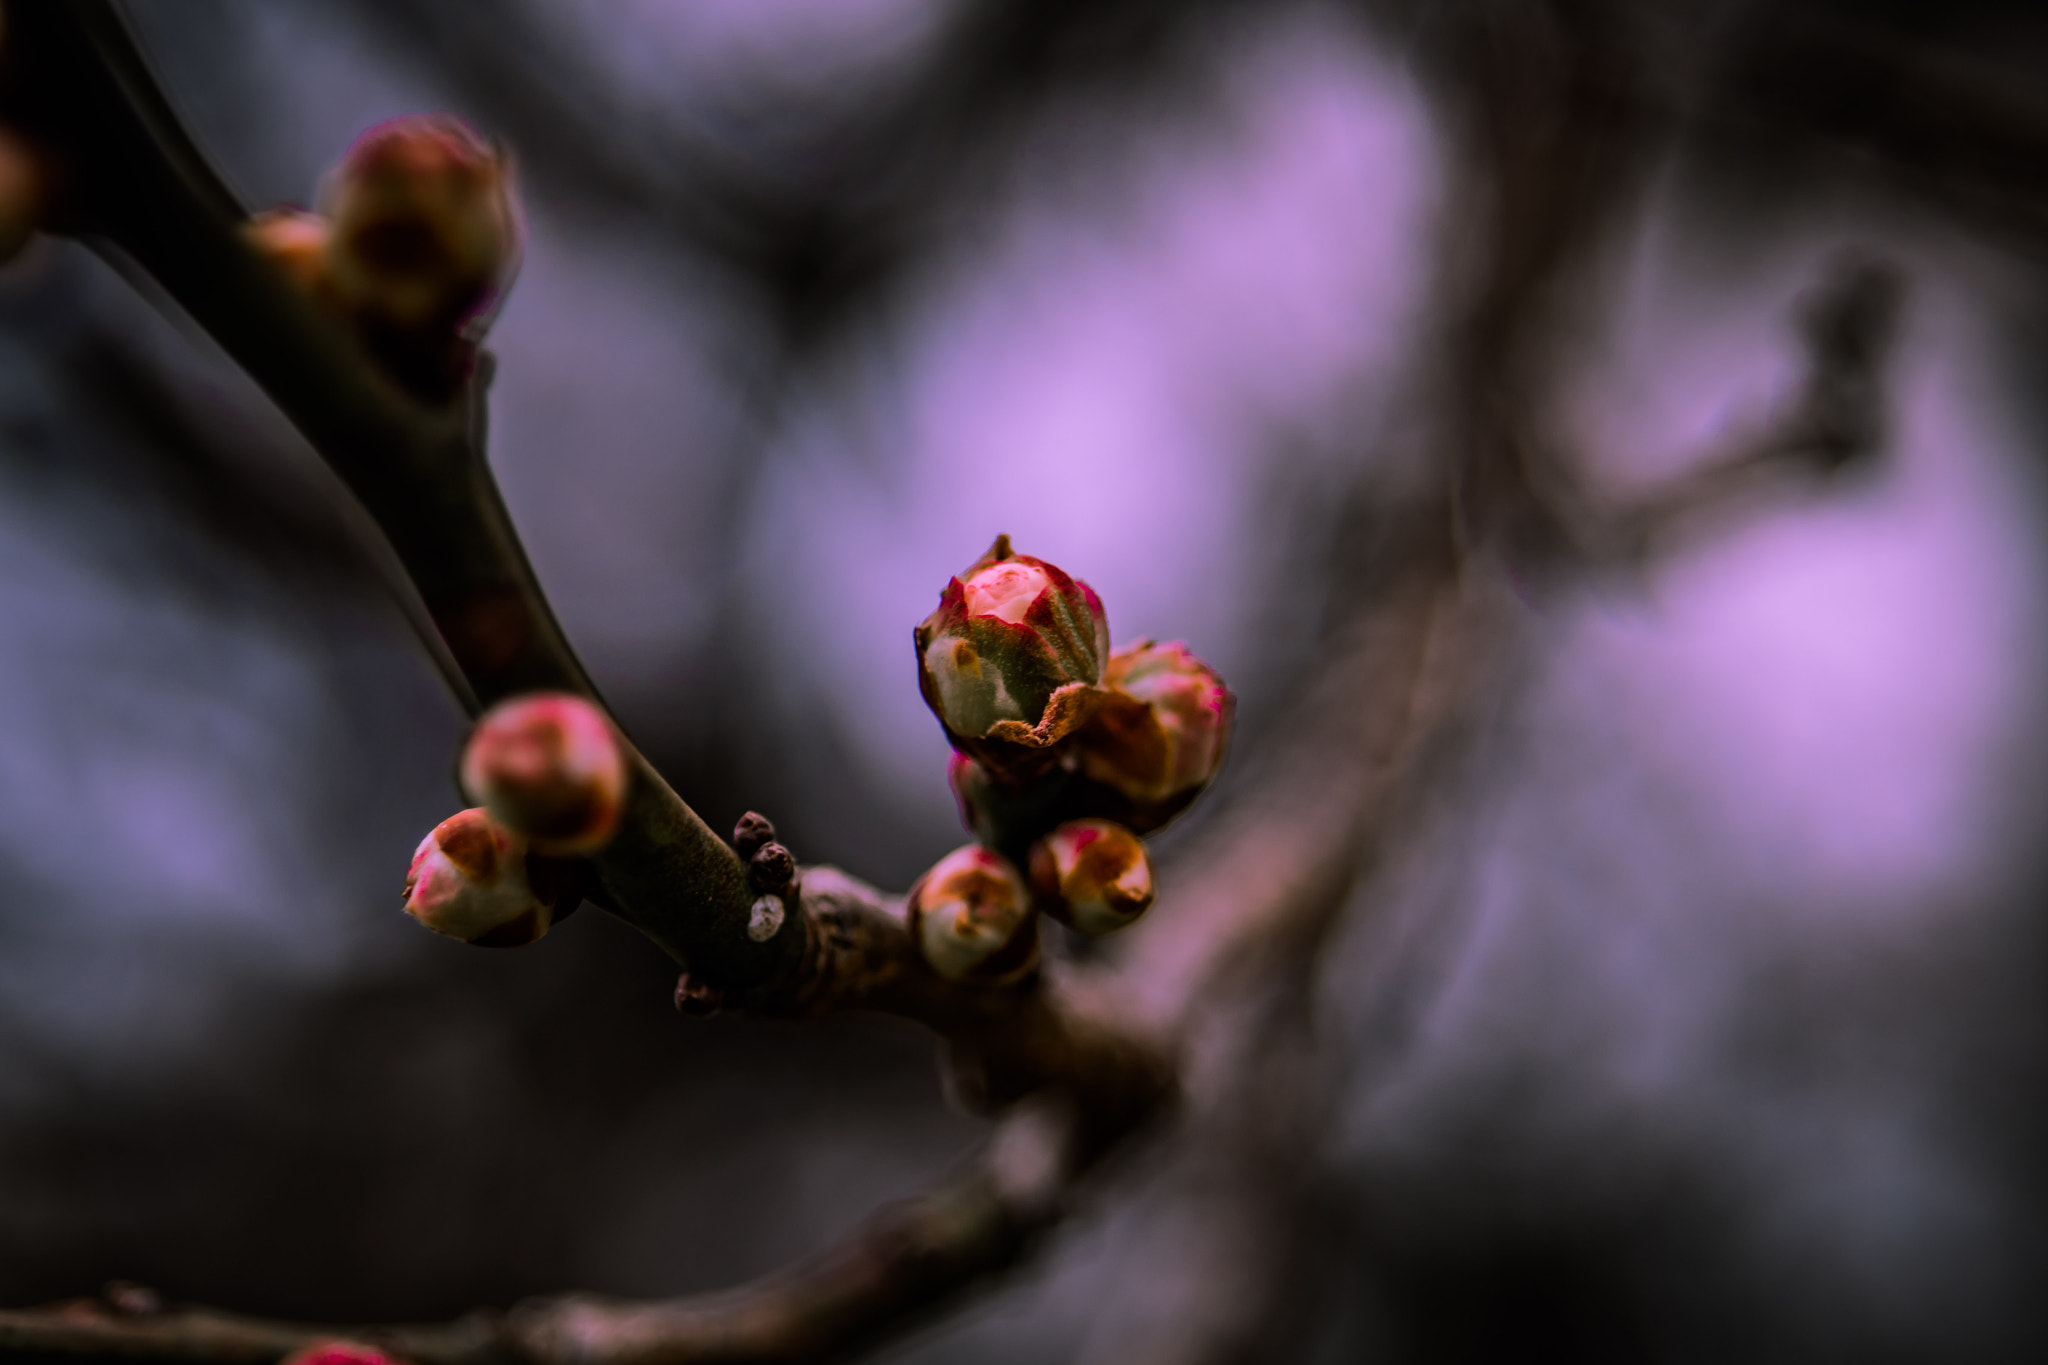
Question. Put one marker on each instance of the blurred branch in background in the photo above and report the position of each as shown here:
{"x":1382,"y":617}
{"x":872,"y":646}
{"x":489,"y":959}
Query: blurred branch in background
{"x":1475,"y":513}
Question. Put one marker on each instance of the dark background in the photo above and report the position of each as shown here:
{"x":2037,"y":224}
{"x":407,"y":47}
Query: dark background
{"x":1707,"y":1019}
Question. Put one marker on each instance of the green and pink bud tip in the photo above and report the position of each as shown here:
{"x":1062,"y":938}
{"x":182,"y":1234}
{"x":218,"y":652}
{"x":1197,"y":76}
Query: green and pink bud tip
{"x":1159,"y":736}
{"x":1092,"y":875}
{"x":549,"y":765}
{"x":972,"y":919}
{"x":1014,"y":654}
{"x":425,"y":233}
{"x":472,"y":879}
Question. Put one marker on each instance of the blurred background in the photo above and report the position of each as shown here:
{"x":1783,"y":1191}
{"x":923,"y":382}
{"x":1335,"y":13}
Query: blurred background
{"x":1703,"y":1021}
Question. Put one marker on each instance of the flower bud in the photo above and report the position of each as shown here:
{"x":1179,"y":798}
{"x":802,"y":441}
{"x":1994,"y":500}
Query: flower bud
{"x":550,"y":766}
{"x":1013,"y":654}
{"x":469,"y":881}
{"x":22,"y":194}
{"x":295,"y":241}
{"x":1092,"y":875}
{"x":338,"y":1353}
{"x":425,"y":234}
{"x":1158,"y":738}
{"x":971,"y":918}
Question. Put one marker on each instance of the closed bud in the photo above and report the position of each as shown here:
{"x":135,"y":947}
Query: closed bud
{"x":1013,"y":655}
{"x":296,"y":243}
{"x":22,"y":192}
{"x":1092,"y":875}
{"x":550,"y":766}
{"x":339,"y":1353}
{"x":426,"y":237}
{"x":469,"y":881}
{"x":1159,"y":736}
{"x":972,"y":919}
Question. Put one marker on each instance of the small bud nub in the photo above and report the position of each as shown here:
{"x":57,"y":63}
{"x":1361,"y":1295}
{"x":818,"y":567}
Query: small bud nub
{"x":772,"y":868}
{"x":753,"y":830}
{"x":550,"y":766}
{"x":972,"y":920}
{"x":1094,"y":876}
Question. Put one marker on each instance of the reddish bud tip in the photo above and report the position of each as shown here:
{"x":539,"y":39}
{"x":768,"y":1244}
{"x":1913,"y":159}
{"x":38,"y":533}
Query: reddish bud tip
{"x":426,"y":237}
{"x":469,"y":881}
{"x":339,"y":1353}
{"x":23,"y":191}
{"x":697,"y":1000}
{"x":550,"y":766}
{"x":972,"y":920}
{"x":295,"y":242}
{"x":1092,"y":875}
{"x":752,"y":831}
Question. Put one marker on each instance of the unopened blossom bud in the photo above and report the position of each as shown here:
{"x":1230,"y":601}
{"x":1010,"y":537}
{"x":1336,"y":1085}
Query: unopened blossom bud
{"x":22,"y":191}
{"x":1159,"y":737}
{"x":549,"y":765}
{"x":469,"y":881}
{"x":296,"y":243}
{"x":1013,"y":654}
{"x":426,"y":237}
{"x":972,"y":919}
{"x":1092,"y":875}
{"x":339,"y":1353}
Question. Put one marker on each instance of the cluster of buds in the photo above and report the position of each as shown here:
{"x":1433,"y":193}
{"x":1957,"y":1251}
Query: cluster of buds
{"x":550,"y":774}
{"x":414,"y":245}
{"x":1064,"y":754}
{"x":772,"y":872}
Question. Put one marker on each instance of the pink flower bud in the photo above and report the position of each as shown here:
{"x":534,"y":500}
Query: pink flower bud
{"x":469,"y":880}
{"x":1093,"y":875}
{"x":1013,"y":654}
{"x":296,"y":243}
{"x":550,"y":766}
{"x":972,"y":920}
{"x":339,"y":1353}
{"x":1159,"y":737}
{"x":426,"y":237}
